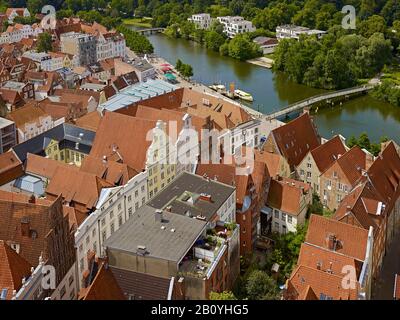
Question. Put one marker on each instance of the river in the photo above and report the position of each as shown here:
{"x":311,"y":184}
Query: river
{"x":272,"y":91}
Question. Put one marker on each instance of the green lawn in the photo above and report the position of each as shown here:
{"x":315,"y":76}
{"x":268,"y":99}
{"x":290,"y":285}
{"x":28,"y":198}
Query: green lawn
{"x":139,"y":22}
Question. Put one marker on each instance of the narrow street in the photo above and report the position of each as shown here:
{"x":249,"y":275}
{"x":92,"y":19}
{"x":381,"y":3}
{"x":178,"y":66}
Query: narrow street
{"x":391,"y":265}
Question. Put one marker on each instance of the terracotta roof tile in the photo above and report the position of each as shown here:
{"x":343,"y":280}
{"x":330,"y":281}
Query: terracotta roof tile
{"x":104,"y":287}
{"x":350,"y":240}
{"x":352,"y":163}
{"x":326,"y":260}
{"x":29,"y":113}
{"x":10,"y":167}
{"x":296,"y":138}
{"x":272,"y":160}
{"x":123,"y":135}
{"x":324,"y":285}
{"x":44,"y":167}
{"x":76,"y":186}
{"x":15,"y":207}
{"x":328,"y":152}
{"x":90,"y":121}
{"x":113,"y":172}
{"x":285,"y":195}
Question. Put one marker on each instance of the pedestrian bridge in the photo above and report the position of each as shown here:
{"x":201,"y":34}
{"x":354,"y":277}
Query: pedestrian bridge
{"x":318,"y":98}
{"x":150,"y":30}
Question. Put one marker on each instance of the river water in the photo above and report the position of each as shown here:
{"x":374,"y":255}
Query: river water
{"x":273,"y":91}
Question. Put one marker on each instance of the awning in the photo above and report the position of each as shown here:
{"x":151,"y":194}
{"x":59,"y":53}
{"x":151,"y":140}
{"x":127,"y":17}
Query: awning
{"x":170,"y":76}
{"x":165,"y":69}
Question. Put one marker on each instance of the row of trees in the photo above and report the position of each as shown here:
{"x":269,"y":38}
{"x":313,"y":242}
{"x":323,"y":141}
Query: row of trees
{"x":364,"y":142}
{"x":336,"y":61}
{"x":387,"y":91}
{"x":240,"y":47}
{"x":135,"y":41}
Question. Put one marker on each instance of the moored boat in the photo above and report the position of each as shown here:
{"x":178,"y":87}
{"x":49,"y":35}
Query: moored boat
{"x":243,"y":95}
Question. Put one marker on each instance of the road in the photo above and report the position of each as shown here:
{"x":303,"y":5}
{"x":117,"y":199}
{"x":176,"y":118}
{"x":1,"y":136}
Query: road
{"x":391,"y":265}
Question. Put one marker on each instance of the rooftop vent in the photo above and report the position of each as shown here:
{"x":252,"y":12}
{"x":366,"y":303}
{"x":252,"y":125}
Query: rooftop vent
{"x":172,"y":230}
{"x":141,"y":250}
{"x":205,"y":197}
{"x":158,"y":215}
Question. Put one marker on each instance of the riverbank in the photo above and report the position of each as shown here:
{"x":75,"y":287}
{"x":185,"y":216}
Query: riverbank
{"x":262,"y":62}
{"x":158,"y":63}
{"x":138,"y":22}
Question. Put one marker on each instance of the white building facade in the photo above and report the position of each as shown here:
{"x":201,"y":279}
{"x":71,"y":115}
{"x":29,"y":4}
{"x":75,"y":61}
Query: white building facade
{"x":114,"y":208}
{"x":235,"y":25}
{"x":201,"y":20}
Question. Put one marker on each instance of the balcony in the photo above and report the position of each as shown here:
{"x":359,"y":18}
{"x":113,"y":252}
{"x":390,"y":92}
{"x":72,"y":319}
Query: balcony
{"x":203,"y":257}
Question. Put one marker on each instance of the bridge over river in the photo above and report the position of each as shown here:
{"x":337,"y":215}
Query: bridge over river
{"x":346,"y":93}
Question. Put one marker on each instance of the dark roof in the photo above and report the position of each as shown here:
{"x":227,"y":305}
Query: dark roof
{"x":66,"y":133}
{"x":141,"y":286}
{"x":142,"y":229}
{"x":193,"y":185}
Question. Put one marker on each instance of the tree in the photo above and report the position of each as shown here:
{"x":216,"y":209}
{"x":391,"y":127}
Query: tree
{"x":187,"y":70}
{"x":372,"y":25}
{"x":224,"y":49}
{"x":44,"y":43}
{"x":178,"y":64}
{"x":135,"y":41}
{"x":316,"y":206}
{"x":241,"y":48}
{"x":226,"y":295}
{"x":214,"y":40}
{"x":260,"y":286}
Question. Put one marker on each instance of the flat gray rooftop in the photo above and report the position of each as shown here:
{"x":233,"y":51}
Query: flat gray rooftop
{"x":193,"y":186}
{"x":142,"y":229}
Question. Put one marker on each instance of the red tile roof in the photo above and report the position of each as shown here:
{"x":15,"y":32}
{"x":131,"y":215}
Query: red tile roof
{"x":76,"y":186}
{"x":103,"y":287}
{"x":16,"y":207}
{"x":350,"y":240}
{"x":125,"y":136}
{"x":384,"y":174}
{"x":10,"y":167}
{"x":327,"y":153}
{"x":296,"y":138}
{"x":90,"y":121}
{"x":352,"y":163}
{"x":324,"y":285}
{"x":286,"y":194}
{"x":44,"y":167}
{"x":113,"y":172}
{"x":13,"y":268}
{"x":326,"y":260}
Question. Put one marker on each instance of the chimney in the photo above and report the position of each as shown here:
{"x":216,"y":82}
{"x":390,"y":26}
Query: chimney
{"x":25,"y":227}
{"x":331,"y":241}
{"x":104,"y":159}
{"x":32,"y":199}
{"x":205,"y":197}
{"x":158,"y":215}
{"x":319,"y":265}
{"x":141,"y":250}
{"x":168,"y":208}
